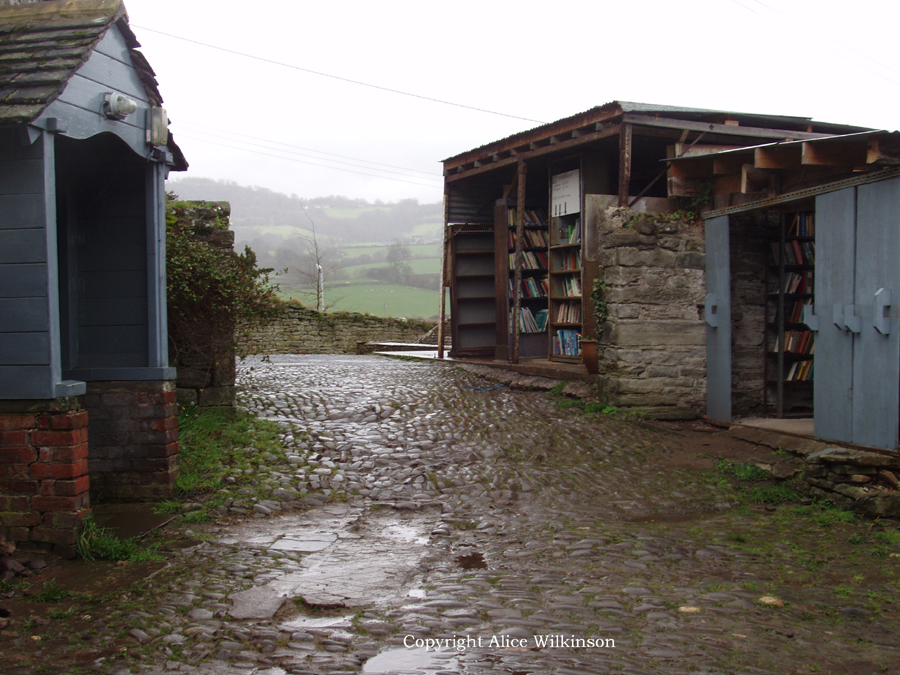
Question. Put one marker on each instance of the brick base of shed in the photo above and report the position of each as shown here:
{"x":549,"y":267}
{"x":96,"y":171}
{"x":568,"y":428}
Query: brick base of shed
{"x":44,"y":473}
{"x":133,"y":437}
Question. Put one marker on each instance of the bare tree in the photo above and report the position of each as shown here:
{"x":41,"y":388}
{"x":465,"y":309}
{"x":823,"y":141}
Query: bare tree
{"x":316,"y":264}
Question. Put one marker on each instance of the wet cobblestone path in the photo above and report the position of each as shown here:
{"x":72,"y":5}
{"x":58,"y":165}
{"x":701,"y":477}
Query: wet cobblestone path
{"x":415,"y":502}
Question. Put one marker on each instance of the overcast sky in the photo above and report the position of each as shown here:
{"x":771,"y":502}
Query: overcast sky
{"x":317,"y":135}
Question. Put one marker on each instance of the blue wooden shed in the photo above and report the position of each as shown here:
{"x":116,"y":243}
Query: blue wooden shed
{"x":84,"y":153}
{"x":87,"y":396}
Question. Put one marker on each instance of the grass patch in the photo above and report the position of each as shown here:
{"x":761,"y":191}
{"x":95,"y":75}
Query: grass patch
{"x":99,"y":542}
{"x":747,"y":473}
{"x":211,"y":443}
{"x":49,"y":593}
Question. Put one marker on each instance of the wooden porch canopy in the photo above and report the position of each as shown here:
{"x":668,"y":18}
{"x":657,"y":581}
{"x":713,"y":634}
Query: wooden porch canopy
{"x":738,"y":177}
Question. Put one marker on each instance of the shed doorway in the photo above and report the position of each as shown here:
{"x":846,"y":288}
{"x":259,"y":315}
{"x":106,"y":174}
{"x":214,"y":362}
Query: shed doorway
{"x":801,"y":314}
{"x":102,"y":220}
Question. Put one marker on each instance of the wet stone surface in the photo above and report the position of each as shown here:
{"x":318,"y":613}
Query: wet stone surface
{"x":411,"y":509}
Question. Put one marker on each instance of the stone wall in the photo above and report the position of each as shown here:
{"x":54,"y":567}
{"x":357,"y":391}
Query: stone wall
{"x":44,"y":473}
{"x":652,"y":346}
{"x":864,"y":481}
{"x":299,"y":330}
{"x":203,"y":352}
{"x":133,"y":437}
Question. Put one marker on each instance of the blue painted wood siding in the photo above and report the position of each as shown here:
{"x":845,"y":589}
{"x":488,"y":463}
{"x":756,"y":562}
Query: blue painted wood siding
{"x":109,"y":68}
{"x":29,"y":361}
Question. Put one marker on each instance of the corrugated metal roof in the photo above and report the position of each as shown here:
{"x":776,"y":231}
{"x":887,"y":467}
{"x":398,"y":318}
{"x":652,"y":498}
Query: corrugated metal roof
{"x":615,"y":108}
{"x":831,"y":140}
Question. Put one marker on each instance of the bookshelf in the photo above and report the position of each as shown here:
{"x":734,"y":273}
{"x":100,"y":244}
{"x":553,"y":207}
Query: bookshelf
{"x":790,"y":344}
{"x":472,"y":300}
{"x":534,"y":287}
{"x":566,"y":280}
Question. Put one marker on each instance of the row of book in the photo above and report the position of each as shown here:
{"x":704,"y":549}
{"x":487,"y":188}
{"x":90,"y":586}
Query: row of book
{"x":566,"y":342}
{"x":533,"y":217}
{"x":568,"y":260}
{"x":568,"y":232}
{"x":797,"y":342}
{"x":568,"y":312}
{"x":531,"y":260}
{"x":531,"y":322}
{"x":533,"y":238}
{"x":532,"y":287}
{"x":798,"y":283}
{"x":800,"y":371}
{"x":569,"y":285}
{"x":793,"y":312}
{"x":803,"y":225}
{"x":796,"y":252}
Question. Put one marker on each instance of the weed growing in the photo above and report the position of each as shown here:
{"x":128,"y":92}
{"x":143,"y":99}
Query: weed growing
{"x":49,"y":593}
{"x":95,"y":542}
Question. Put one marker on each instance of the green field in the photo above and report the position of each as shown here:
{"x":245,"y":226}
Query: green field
{"x":421,"y":266}
{"x":376,"y":299}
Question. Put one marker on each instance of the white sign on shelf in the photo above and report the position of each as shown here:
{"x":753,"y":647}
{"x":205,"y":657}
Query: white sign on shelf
{"x":565,"y":193}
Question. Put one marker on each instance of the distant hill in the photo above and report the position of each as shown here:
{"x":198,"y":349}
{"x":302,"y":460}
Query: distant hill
{"x":265,"y":219}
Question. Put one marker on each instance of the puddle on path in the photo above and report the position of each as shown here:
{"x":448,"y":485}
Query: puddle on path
{"x":471,"y":561}
{"x":303,"y":623}
{"x":405,"y":533}
{"x":305,"y":543}
{"x":418,"y":660}
{"x":347,"y":561}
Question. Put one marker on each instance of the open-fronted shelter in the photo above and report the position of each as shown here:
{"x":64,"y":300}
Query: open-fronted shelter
{"x":86,"y":391}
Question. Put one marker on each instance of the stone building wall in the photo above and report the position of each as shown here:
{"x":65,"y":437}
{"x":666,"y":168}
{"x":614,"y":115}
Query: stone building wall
{"x":652,"y":346}
{"x":299,"y":330}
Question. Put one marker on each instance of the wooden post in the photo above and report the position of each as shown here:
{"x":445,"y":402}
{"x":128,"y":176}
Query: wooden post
{"x":625,"y":133}
{"x":443,"y":284}
{"x":520,"y":236}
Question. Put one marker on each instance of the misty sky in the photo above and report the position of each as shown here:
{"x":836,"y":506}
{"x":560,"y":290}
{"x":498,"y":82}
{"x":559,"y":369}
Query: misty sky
{"x":269,"y":125}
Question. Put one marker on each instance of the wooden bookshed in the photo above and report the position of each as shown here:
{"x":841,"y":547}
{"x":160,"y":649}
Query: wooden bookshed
{"x":803,"y":283}
{"x":531,"y":221}
{"x":86,"y":391}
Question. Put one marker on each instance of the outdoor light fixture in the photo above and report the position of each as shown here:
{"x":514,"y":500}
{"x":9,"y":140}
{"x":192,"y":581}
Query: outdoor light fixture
{"x":118,"y":107}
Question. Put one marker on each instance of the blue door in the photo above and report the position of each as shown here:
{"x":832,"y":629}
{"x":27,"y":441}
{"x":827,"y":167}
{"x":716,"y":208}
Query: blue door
{"x":718,"y":320}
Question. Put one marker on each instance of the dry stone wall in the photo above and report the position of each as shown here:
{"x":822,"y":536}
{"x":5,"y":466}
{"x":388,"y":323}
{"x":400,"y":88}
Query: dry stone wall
{"x":299,"y":330}
{"x":652,"y":346}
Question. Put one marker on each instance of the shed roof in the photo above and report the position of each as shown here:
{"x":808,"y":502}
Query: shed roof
{"x":737,"y":124}
{"x":43,"y":44}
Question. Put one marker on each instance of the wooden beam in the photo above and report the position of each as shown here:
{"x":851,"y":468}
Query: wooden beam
{"x":753,"y":179}
{"x":517,"y":276}
{"x":606,"y":132}
{"x":725,"y":129}
{"x":725,"y":165}
{"x":701,"y":168}
{"x":625,"y":138}
{"x":726,"y":185}
{"x":883,"y":152}
{"x":835,"y":154}
{"x":686,"y":150}
{"x":787,"y":157}
{"x":685,"y":187}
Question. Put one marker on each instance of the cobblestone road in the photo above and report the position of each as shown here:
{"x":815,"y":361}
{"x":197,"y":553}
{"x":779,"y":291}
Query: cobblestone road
{"x":415,"y":501}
